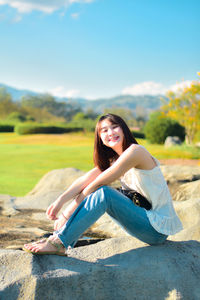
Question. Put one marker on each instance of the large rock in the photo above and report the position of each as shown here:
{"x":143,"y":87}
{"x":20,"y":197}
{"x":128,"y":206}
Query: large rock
{"x":48,"y":189}
{"x":172,"y":141}
{"x":189,"y":213}
{"x":181,"y":174}
{"x":186,"y":191}
{"x":122,"y":268}
{"x":56,"y":180}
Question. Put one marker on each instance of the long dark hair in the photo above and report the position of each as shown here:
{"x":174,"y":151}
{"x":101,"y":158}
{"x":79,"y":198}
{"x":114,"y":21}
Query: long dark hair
{"x":103,"y":155}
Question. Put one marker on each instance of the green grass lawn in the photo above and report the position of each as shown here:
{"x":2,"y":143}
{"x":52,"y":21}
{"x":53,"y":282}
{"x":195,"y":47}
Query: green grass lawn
{"x":25,"y":159}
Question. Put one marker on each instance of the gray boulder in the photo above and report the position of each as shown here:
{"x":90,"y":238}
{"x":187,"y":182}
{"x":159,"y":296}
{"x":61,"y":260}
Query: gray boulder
{"x":181,"y":174}
{"x":48,"y":189}
{"x":189,"y":213}
{"x":122,"y":268}
{"x":56,"y":180}
{"x":186,"y":191}
{"x":172,"y":141}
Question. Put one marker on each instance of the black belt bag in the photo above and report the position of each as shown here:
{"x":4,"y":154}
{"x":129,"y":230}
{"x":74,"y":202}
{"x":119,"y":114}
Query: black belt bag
{"x":136,"y":197}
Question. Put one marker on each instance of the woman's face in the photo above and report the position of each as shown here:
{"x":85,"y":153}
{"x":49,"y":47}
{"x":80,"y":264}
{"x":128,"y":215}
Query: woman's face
{"x":111,"y":135}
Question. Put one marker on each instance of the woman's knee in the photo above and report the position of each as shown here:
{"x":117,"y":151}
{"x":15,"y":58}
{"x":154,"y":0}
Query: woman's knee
{"x":104,"y":189}
{"x":97,"y":197}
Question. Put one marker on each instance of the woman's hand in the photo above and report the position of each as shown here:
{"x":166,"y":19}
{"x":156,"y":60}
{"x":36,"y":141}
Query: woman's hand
{"x":53,"y":210}
{"x":60,"y":222}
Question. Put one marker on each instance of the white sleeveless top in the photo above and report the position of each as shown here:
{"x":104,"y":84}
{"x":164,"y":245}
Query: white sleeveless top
{"x":152,"y":185}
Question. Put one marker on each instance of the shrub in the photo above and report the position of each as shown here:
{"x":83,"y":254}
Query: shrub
{"x":85,"y":124}
{"x":6,"y":128}
{"x":138,"y":135}
{"x":41,"y":128}
{"x":158,"y":128}
{"x":16,"y":117}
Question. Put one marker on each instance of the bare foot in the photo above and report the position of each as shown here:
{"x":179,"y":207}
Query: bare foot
{"x":36,"y":242}
{"x":52,"y":245}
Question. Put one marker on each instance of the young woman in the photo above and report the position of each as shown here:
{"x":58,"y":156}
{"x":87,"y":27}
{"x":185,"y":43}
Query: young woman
{"x":117,"y":155}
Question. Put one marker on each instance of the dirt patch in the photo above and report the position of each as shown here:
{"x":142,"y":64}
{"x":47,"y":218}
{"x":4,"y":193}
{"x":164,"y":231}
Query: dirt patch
{"x":14,"y":229}
{"x":17,"y":230}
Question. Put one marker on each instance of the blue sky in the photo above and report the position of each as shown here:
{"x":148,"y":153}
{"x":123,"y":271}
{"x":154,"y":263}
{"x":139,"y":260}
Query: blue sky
{"x":99,"y":48}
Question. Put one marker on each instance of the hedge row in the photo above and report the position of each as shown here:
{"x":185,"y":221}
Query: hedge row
{"x":138,"y":135}
{"x":34,"y":128}
{"x":6,"y":128}
{"x":47,"y":129}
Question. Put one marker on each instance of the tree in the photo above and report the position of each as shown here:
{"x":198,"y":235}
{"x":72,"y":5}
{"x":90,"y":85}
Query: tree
{"x":45,"y":101}
{"x":16,"y":116}
{"x":159,"y":127}
{"x":80,"y":116}
{"x":184,"y":106}
{"x":124,"y":113}
{"x":91,"y":114}
{"x":6,"y":104}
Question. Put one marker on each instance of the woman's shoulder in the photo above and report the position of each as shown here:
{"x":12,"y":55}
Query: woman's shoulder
{"x":134,"y":153}
{"x":136,"y":148}
{"x":141,"y":157}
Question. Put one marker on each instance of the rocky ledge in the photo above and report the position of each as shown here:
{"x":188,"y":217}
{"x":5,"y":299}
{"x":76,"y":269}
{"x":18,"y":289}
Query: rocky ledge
{"x":119,"y":267}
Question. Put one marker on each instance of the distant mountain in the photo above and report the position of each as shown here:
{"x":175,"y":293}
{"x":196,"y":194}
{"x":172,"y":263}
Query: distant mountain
{"x":147,"y":102}
{"x":17,"y":93}
{"x":126,"y":101}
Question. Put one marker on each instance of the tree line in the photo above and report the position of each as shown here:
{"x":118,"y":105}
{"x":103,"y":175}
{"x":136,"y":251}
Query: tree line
{"x":182,"y":107}
{"x":46,"y":108}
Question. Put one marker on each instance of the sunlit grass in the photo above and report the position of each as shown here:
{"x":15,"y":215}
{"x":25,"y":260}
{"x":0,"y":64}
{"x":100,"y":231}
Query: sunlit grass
{"x":25,"y":159}
{"x":161,"y":152}
{"x":68,"y":139}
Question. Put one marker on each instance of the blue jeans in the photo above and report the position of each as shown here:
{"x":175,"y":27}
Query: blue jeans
{"x":106,"y":199}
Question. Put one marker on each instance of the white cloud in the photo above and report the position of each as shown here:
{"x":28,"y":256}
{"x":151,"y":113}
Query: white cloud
{"x":60,"y":91}
{"x":153,"y":88}
{"x":145,"y":88}
{"x":26,"y":6}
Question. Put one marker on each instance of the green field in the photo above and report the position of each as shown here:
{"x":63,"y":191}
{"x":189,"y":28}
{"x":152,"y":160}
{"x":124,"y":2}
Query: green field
{"x":25,"y":159}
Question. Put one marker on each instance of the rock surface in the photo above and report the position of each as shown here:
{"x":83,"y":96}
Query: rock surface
{"x":122,"y":268}
{"x":172,"y":141}
{"x":116,"y":268}
{"x":181,"y":174}
{"x":48,"y":189}
{"x":187,"y":191}
{"x":189,"y":213}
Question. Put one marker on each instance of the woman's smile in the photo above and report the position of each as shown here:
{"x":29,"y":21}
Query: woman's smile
{"x":113,"y":139}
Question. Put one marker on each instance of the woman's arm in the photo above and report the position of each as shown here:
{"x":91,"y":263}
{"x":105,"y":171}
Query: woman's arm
{"x":75,"y":188}
{"x":131,"y":157}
